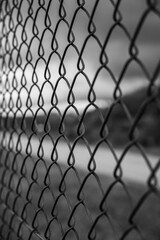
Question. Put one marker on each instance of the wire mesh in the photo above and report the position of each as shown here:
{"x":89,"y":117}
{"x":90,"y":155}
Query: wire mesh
{"x":79,"y":123}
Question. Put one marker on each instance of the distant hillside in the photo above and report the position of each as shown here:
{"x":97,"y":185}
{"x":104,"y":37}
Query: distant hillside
{"x":138,"y":106}
{"x":115,"y":123}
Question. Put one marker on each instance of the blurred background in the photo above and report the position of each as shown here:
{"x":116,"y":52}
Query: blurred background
{"x":80,"y":114}
{"x":69,"y":57}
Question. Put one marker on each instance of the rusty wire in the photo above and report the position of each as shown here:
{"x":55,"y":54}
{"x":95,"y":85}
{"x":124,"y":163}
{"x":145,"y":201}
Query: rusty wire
{"x":50,"y":46}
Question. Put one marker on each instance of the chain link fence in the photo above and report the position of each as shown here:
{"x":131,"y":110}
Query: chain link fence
{"x":79,"y":119}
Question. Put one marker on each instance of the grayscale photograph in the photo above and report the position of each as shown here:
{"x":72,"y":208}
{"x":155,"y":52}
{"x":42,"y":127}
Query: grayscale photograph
{"x":79,"y":120}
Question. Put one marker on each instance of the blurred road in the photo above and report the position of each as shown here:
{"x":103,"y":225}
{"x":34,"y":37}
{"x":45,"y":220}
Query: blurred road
{"x":134,"y":166}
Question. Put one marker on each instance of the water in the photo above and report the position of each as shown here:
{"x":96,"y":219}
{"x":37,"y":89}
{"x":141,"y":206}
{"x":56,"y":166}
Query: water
{"x":67,"y":90}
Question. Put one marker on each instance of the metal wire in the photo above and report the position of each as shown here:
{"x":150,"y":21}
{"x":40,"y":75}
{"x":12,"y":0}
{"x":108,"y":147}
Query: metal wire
{"x":80,"y":113}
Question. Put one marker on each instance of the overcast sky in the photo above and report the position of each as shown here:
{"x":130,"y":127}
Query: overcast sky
{"x":117,"y":47}
{"x":148,"y":40}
